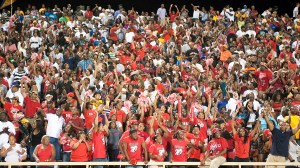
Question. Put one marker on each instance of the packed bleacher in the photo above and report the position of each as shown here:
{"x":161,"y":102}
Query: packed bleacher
{"x":101,"y":84}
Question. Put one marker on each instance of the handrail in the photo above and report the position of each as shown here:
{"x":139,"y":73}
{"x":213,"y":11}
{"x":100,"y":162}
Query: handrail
{"x":163,"y":164}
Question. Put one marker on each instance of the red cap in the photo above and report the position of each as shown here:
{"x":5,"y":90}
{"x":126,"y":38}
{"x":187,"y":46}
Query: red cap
{"x":132,"y":122}
{"x":215,"y":130}
{"x":71,"y":94}
{"x":267,"y":133}
{"x":239,"y":121}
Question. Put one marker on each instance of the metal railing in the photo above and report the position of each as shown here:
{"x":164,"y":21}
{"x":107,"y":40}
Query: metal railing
{"x":163,"y":164}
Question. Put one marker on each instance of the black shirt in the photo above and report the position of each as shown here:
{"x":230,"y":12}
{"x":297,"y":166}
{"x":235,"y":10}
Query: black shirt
{"x":280,"y":142}
{"x":36,"y":139}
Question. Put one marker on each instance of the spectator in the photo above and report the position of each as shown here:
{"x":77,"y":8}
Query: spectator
{"x":36,"y":136}
{"x":12,"y":151}
{"x":44,"y":152}
{"x":216,"y":150}
{"x":280,"y":142}
{"x":157,"y":151}
{"x":179,"y":148}
{"x":114,"y":135}
{"x":6,"y":128}
{"x":64,"y":140}
{"x":133,"y":147}
{"x":80,"y":148}
{"x":100,"y":132}
{"x":54,"y":128}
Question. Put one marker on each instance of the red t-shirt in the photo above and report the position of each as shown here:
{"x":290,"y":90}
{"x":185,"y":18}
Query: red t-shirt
{"x":120,"y":114}
{"x":5,"y":83}
{"x":80,"y":154}
{"x":77,"y":121}
{"x":195,"y":154}
{"x":203,"y":125}
{"x":173,"y":16}
{"x":11,"y":109}
{"x":67,"y":115}
{"x":157,"y":150}
{"x":134,"y":148}
{"x":99,"y":145}
{"x":65,"y":142}
{"x":31,"y":106}
{"x":179,"y":150}
{"x":44,"y":154}
{"x":216,"y":146}
{"x":264,"y":78}
{"x":124,"y":59}
{"x":150,"y":142}
{"x":89,"y":116}
{"x":242,"y":149}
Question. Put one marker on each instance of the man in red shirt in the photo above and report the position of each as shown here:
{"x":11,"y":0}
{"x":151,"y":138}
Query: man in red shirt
{"x":198,"y":142}
{"x":179,"y":148}
{"x":216,"y":150}
{"x":99,"y":138}
{"x":32,"y":103}
{"x":264,"y":76}
{"x":133,"y":147}
{"x":157,"y":150}
{"x":172,"y":14}
{"x":75,"y":121}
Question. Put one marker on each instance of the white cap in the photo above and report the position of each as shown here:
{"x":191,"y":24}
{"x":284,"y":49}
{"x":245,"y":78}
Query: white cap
{"x":158,"y":78}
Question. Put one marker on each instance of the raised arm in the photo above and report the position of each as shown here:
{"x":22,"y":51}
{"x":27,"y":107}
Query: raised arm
{"x":233,"y":121}
{"x":170,"y":9}
{"x":270,"y":124}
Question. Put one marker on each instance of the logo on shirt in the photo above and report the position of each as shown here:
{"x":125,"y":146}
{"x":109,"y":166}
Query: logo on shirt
{"x":214,"y":146}
{"x":133,"y":147}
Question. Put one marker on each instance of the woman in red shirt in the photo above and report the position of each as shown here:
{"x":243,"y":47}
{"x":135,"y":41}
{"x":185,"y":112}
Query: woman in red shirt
{"x":242,"y":141}
{"x":80,"y":148}
{"x":12,"y":108}
{"x":44,"y":152}
{"x":157,"y":151}
{"x":216,"y":150}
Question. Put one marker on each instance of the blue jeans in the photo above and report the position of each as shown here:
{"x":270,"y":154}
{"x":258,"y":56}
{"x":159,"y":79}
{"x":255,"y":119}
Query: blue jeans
{"x":31,"y":150}
{"x":134,"y":166}
{"x":113,"y":154}
{"x":99,"y":160}
{"x":54,"y":142}
{"x":66,"y":156}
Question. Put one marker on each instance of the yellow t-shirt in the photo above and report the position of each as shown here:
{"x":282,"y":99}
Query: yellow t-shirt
{"x":96,"y":103}
{"x":293,"y":123}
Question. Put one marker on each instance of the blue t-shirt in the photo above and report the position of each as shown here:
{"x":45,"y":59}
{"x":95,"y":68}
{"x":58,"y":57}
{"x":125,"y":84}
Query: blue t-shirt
{"x":280,"y":142}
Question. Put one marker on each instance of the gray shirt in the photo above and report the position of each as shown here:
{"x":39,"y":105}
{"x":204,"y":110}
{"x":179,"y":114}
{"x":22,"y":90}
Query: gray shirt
{"x":114,"y":136}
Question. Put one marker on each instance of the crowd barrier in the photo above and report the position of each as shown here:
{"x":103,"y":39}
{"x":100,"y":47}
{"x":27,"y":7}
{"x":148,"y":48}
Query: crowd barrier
{"x":163,"y":164}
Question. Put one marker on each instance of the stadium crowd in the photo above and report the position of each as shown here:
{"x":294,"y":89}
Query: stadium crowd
{"x":101,"y":84}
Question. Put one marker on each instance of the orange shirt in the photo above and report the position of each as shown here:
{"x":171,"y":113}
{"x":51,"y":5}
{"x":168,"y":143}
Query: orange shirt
{"x":80,"y":154}
{"x":242,"y":149}
{"x":225,"y":55}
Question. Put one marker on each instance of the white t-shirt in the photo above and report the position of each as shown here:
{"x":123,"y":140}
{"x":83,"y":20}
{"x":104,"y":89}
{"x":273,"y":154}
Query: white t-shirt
{"x":161,"y":12}
{"x":129,"y":37}
{"x":56,"y":124}
{"x":12,"y":156}
{"x":240,"y":33}
{"x":196,"y":14}
{"x":4,"y":137}
{"x":295,"y":11}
